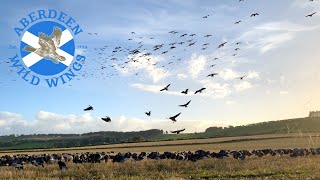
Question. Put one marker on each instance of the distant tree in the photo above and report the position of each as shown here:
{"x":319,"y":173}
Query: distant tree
{"x":213,"y":129}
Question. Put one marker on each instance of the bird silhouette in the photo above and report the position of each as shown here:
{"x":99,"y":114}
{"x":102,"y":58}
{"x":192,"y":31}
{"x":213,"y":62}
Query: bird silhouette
{"x":148,"y":113}
{"x":173,"y":32}
{"x":310,"y":15}
{"x":89,"y":108}
{"x":185,"y":91}
{"x":242,"y":77}
{"x":178,"y":131}
{"x":212,"y":75}
{"x":200,"y":90}
{"x":183,"y":35}
{"x":165,"y":88}
{"x":222,"y":45}
{"x":238,"y":22}
{"x":185,"y":105}
{"x":106,"y":119}
{"x":254,"y":14}
{"x":173,"y":118}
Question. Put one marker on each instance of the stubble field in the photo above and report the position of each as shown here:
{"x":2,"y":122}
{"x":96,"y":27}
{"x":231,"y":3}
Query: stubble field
{"x":268,"y":167}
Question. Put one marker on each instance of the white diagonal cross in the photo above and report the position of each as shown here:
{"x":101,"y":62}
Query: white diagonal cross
{"x":33,"y":40}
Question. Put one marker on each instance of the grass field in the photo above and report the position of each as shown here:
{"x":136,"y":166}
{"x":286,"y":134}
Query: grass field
{"x":251,"y":168}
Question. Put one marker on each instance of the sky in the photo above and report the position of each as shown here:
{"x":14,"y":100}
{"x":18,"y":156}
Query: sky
{"x":278,"y":53}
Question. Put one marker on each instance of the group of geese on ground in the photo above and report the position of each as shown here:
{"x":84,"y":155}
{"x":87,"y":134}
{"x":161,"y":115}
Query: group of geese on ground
{"x":40,"y":160}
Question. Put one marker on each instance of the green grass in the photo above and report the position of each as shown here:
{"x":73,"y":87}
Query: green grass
{"x":251,"y":168}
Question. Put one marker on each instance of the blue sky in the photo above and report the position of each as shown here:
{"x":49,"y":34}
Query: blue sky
{"x":278,"y":53}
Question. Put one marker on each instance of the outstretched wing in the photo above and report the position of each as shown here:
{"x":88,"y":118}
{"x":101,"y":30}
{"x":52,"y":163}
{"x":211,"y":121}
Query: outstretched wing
{"x":44,"y":39}
{"x":56,"y":36}
{"x":174,"y":117}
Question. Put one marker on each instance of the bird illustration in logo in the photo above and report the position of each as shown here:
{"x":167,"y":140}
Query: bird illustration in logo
{"x":48,"y":46}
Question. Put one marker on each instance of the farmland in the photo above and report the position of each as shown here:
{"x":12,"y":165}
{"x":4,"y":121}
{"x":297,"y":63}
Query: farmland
{"x":295,"y":140}
{"x":272,"y":167}
{"x":267,"y":167}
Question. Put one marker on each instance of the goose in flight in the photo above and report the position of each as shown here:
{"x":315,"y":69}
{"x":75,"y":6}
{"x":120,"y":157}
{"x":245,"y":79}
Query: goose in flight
{"x":148,"y":113}
{"x":222,"y":45}
{"x":178,"y":131}
{"x":173,"y":118}
{"x":185,"y":105}
{"x":310,"y":15}
{"x":185,"y":91}
{"x":200,"y":90}
{"x":90,"y":108}
{"x":183,"y":35}
{"x":106,"y":119}
{"x":242,"y":77}
{"x":165,"y":88}
{"x":48,"y":46}
{"x":212,"y":75}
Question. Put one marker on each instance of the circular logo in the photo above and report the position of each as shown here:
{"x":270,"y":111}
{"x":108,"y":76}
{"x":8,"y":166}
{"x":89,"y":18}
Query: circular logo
{"x":47,"y":48}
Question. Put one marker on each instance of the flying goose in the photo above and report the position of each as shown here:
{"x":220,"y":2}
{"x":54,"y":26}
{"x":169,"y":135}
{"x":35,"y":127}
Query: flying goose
{"x":48,"y":46}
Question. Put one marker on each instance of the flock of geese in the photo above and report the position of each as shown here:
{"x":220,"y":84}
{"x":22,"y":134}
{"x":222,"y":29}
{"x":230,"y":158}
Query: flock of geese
{"x":111,"y":61}
{"x":141,"y":54}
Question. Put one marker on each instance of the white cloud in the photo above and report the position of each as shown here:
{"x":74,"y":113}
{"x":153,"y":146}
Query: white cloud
{"x":270,"y":35}
{"x":215,"y":90}
{"x":244,"y":85}
{"x":144,"y":64}
{"x":228,"y":74}
{"x":271,"y":42}
{"x":2,"y":123}
{"x":157,"y":88}
{"x":253,"y":75}
{"x":150,"y":88}
{"x":230,"y":102}
{"x":56,"y":123}
{"x":197,"y":65}
{"x":306,"y":4}
{"x":182,"y":76}
{"x":8,"y":117}
{"x":284,"y":92}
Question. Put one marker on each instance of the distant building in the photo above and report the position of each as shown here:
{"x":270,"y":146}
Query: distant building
{"x":314,"y":114}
